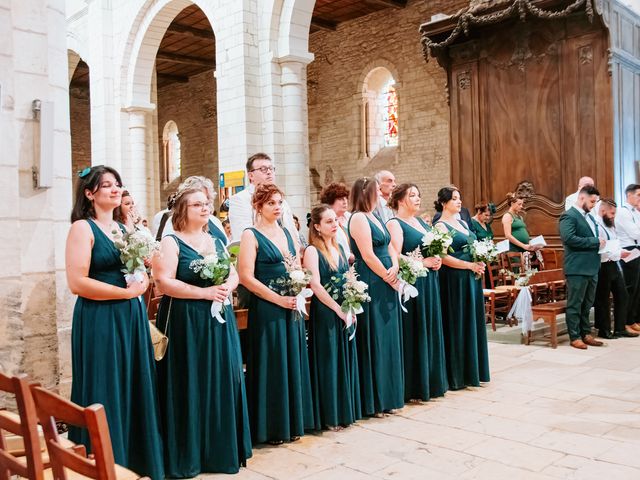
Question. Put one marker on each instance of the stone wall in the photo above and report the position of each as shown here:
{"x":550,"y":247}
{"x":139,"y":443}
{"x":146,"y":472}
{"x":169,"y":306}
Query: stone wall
{"x":80,"y":112}
{"x":35,"y":305}
{"x":192,"y":106}
{"x":343,"y":58}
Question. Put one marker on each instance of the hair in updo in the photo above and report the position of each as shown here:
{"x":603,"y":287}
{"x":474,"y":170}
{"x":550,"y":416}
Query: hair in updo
{"x":481,"y":207}
{"x":181,"y":207}
{"x":89,"y":179}
{"x":513,"y":198}
{"x":400,"y":193}
{"x":445,"y":194}
{"x":263,"y":194}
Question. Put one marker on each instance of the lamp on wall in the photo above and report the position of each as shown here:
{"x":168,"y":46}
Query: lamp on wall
{"x":43,"y":114}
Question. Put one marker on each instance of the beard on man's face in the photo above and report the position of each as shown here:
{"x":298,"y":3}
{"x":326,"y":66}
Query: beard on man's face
{"x":608,"y":221}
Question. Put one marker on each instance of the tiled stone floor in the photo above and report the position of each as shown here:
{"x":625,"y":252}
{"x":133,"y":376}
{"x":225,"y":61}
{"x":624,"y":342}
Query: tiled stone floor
{"x":547,"y":414}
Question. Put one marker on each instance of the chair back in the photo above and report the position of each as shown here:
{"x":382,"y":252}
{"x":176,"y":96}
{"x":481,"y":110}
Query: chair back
{"x":27,"y":461}
{"x":514,"y":261}
{"x":495,"y":277}
{"x":94,"y":418}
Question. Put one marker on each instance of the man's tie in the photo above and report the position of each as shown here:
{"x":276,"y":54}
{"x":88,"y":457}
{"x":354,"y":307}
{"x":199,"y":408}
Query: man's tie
{"x":595,"y":224}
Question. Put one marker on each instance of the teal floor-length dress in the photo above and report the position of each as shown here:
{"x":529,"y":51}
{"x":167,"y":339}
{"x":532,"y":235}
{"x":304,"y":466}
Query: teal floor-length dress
{"x":332,"y":356}
{"x":463,"y":318}
{"x":379,"y":333}
{"x":425,"y":367}
{"x":112,"y":362}
{"x":278,"y":379}
{"x":201,"y":383}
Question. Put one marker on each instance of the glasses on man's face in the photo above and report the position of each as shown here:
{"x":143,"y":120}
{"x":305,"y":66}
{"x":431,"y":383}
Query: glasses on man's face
{"x":265,"y":170}
{"x":199,"y":205}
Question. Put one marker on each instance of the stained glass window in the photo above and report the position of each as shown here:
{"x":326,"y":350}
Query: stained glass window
{"x":390,"y":116}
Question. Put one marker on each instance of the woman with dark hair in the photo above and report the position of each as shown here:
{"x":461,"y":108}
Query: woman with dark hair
{"x":425,"y":370}
{"x":200,"y":380}
{"x":111,"y":351}
{"x":515,"y":230}
{"x":336,"y":195}
{"x":278,"y":381}
{"x":481,"y":222}
{"x":465,"y":334}
{"x":332,"y":357}
{"x":126,"y":213}
{"x":378,"y":333}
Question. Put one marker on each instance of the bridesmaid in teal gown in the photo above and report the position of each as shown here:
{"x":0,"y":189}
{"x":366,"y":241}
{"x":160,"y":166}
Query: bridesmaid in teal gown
{"x":201,"y":383}
{"x":379,"y":332}
{"x":112,"y":355}
{"x":278,"y":379}
{"x":425,"y":367}
{"x":332,"y":356}
{"x":463,"y":317}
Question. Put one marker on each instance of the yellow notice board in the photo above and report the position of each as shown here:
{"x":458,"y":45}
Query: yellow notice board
{"x":232,"y":179}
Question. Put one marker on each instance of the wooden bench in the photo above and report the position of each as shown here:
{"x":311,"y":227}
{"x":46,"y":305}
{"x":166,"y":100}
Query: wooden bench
{"x":548,"y":312}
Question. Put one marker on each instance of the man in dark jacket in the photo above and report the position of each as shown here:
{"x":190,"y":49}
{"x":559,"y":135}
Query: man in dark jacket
{"x":580,"y":238}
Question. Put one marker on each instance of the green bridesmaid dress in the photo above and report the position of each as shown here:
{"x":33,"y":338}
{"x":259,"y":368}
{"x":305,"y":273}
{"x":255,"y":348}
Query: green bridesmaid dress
{"x":518,"y":230}
{"x":425,"y":366}
{"x":332,"y":357}
{"x":378,"y":333}
{"x":465,"y":334}
{"x":480,"y":232}
{"x":216,"y":233}
{"x":278,"y":379}
{"x":201,"y":383}
{"x":112,"y":364}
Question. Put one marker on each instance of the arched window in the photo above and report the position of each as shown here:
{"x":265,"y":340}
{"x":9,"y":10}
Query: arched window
{"x":380,"y":112}
{"x":171,"y":151}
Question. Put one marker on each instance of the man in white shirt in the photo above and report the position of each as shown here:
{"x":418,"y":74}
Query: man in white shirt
{"x":387,"y":182}
{"x":260,"y":170}
{"x":628,"y":226}
{"x":610,"y":279}
{"x":571,"y":200}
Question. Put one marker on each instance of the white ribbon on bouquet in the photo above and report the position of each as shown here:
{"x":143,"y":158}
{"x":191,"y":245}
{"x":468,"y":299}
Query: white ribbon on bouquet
{"x":352,"y":319}
{"x":216,"y":310}
{"x":301,"y":300}
{"x":406,"y":292}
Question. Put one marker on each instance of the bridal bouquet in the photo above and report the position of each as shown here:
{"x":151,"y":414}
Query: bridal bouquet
{"x":294,"y":284}
{"x":484,"y":251}
{"x":411,"y":268}
{"x":215,"y":268}
{"x":436,"y":243}
{"x":135,"y":249}
{"x":353,"y":293}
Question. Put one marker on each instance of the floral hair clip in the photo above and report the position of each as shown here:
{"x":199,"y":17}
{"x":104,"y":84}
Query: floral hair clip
{"x":84,"y":173}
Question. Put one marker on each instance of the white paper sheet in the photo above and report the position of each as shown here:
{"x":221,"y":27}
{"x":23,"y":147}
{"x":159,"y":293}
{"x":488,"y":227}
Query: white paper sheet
{"x":503,"y":246}
{"x":612,"y":246}
{"x":635,"y":253}
{"x":538,"y":241}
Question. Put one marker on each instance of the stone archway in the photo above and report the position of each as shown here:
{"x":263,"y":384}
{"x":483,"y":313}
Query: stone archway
{"x":79,"y":112}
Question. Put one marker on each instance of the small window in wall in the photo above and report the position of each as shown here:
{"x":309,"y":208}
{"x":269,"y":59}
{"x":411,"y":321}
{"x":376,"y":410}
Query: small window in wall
{"x":380,"y":118}
{"x":171,"y":152}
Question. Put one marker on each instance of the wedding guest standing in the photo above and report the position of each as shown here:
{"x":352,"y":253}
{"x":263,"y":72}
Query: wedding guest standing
{"x":425,"y":370}
{"x":332,"y":356}
{"x":481,"y":222}
{"x":201,"y":383}
{"x":386,"y":182}
{"x":126,"y":213}
{"x":628,"y":226}
{"x":336,"y":195}
{"x":378,"y":334}
{"x":278,"y":381}
{"x":463,"y":318}
{"x":111,"y":351}
{"x":515,"y":230}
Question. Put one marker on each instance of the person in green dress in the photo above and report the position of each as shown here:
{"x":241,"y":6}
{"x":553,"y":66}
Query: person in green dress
{"x":425,"y":371}
{"x":111,"y":351}
{"x":481,"y":222}
{"x":379,"y":332}
{"x":332,"y":356}
{"x":515,"y":230}
{"x":463,"y":319}
{"x":278,"y":379}
{"x":201,"y":383}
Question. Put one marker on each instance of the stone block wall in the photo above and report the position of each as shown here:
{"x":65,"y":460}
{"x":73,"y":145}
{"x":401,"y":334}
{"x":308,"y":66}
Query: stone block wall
{"x":192,"y":106}
{"x":342,"y":60}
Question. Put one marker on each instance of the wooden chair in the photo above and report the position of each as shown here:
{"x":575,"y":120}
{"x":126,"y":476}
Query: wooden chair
{"x":21,"y":450}
{"x":550,"y":258}
{"x":497,"y":302}
{"x":514,"y":261}
{"x":66,"y":462}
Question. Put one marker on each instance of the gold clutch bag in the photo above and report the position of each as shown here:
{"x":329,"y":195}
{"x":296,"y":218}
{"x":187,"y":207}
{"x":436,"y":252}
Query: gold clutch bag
{"x":159,"y":340}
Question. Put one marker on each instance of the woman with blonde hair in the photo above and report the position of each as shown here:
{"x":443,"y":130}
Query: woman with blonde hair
{"x":332,"y":356}
{"x":515,"y":230}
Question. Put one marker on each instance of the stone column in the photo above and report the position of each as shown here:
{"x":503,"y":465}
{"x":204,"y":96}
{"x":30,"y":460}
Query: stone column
{"x":293,"y":168}
{"x":134,"y":175}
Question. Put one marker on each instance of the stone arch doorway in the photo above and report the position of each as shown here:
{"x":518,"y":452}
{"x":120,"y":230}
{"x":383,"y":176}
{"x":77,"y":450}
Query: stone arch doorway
{"x":79,"y":112}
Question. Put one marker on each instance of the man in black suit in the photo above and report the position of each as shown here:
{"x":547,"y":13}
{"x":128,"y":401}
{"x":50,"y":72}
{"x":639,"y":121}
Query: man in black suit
{"x":579,"y":232}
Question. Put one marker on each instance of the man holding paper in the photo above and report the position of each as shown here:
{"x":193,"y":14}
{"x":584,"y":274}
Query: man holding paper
{"x":628,"y":225}
{"x":579,"y":232}
{"x":610,"y":279}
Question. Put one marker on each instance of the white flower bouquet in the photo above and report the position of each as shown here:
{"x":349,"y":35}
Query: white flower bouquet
{"x":136,"y":248}
{"x":484,"y":251}
{"x":410,"y":269}
{"x":294,"y":284}
{"x":352,"y":293}
{"x":436,"y":243}
{"x":215,"y":268}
